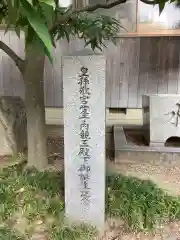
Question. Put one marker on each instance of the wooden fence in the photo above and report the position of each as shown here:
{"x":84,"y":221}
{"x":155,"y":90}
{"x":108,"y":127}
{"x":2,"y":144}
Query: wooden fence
{"x":136,"y":66}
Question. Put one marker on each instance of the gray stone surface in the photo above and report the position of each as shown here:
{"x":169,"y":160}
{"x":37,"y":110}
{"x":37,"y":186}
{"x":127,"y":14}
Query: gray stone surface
{"x":161,"y":115}
{"x":13,"y":133}
{"x":119,"y":136}
{"x":84,"y":165}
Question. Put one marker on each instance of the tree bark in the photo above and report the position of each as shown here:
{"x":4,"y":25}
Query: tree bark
{"x":35,"y":108}
{"x":18,"y":61}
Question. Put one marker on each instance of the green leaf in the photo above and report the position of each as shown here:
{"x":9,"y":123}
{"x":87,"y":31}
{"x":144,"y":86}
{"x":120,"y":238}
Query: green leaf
{"x":15,"y":4}
{"x":161,"y":6}
{"x":49,"y":2}
{"x":18,"y":31}
{"x":30,"y":1}
{"x":38,"y":25}
{"x":29,"y":35}
{"x":12,"y":10}
{"x":48,"y":13}
{"x":22,"y":21}
{"x":8,"y":25}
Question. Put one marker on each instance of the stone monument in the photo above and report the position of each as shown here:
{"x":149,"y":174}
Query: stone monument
{"x":161,"y":117}
{"x":84,"y":137}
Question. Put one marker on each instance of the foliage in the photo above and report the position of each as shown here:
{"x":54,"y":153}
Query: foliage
{"x":32,"y":201}
{"x":91,"y":28}
{"x":46,"y":21}
{"x":38,"y":19}
{"x":140,"y":203}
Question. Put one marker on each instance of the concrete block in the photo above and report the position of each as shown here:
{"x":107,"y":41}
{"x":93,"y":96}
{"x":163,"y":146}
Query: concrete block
{"x":161,"y":116}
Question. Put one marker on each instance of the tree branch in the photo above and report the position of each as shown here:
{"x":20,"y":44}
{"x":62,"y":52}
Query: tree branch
{"x":149,"y":2}
{"x":91,"y":8}
{"x":18,"y":61}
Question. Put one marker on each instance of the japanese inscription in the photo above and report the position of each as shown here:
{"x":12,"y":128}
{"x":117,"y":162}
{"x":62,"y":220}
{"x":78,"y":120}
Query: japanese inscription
{"x":84,"y":138}
{"x":84,"y":148}
{"x":175,"y":116}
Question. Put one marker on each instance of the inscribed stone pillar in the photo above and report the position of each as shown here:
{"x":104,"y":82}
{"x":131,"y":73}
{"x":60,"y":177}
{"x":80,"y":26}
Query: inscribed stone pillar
{"x":84,"y":138}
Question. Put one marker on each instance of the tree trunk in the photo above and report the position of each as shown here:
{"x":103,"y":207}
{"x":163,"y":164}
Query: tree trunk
{"x":35,"y":108}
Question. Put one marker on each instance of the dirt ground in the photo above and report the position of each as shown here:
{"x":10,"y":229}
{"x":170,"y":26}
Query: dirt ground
{"x":118,"y":231}
{"x":167,"y":177}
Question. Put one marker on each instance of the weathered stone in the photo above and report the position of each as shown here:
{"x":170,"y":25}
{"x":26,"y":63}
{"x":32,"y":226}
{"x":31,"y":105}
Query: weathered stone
{"x":161,"y":116}
{"x":13,"y":133}
{"x":119,"y":135}
{"x":84,"y":138}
